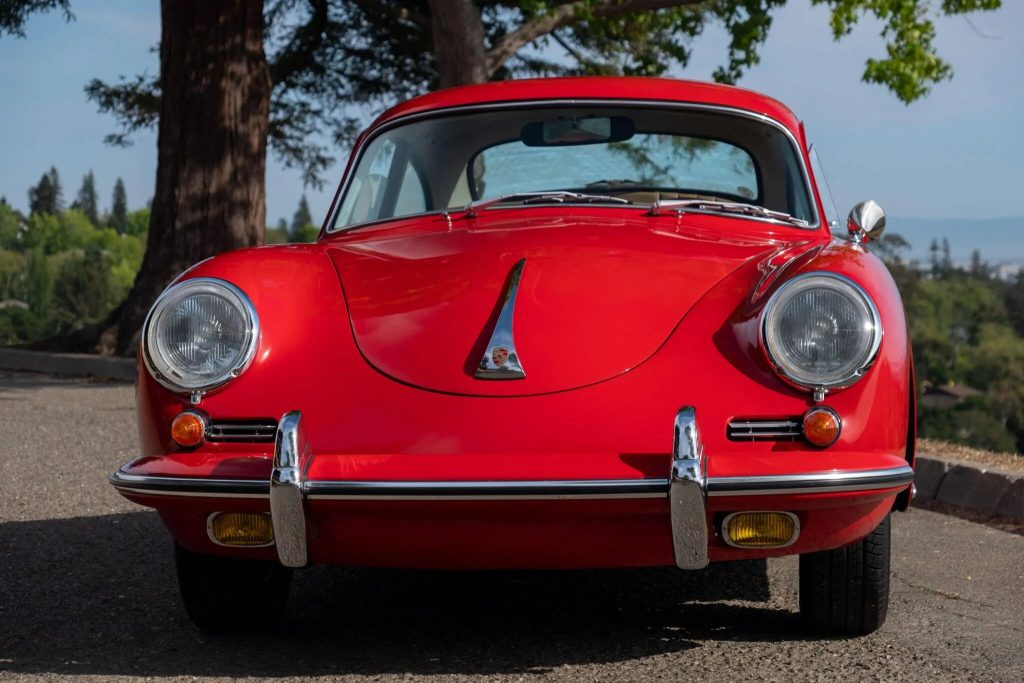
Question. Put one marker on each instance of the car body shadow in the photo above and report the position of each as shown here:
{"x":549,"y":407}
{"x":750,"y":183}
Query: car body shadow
{"x":98,"y":596}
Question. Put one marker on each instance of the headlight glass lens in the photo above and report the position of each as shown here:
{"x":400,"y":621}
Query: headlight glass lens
{"x":199,"y":334}
{"x":821,"y":330}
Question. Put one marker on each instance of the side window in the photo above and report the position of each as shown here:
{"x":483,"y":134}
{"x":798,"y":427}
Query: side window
{"x":831,"y":213}
{"x":412,"y":197}
{"x":366,"y":193}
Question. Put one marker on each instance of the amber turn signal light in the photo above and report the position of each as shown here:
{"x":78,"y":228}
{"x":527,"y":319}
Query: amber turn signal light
{"x":822,"y":426}
{"x":241,"y":528}
{"x":760,"y":529}
{"x":188,"y":429}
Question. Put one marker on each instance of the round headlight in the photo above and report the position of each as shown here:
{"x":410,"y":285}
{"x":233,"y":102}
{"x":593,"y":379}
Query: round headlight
{"x":821,"y":330}
{"x":199,"y":334}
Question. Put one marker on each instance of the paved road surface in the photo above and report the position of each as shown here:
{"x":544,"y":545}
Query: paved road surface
{"x":87,"y":592}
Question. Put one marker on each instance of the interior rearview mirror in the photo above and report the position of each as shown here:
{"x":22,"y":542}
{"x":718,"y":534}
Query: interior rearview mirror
{"x":583,"y":130}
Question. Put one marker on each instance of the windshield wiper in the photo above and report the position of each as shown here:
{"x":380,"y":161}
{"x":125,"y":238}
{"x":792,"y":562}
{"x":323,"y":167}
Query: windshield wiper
{"x":557,"y":197}
{"x":613,"y":184}
{"x":707,"y":206}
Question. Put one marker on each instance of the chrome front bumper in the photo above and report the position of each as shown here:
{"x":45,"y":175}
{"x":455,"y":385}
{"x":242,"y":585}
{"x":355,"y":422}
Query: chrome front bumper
{"x":687,"y":491}
{"x":688,"y":487}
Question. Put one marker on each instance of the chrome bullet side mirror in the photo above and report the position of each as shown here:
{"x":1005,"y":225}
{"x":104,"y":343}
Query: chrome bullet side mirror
{"x":866,"y":222}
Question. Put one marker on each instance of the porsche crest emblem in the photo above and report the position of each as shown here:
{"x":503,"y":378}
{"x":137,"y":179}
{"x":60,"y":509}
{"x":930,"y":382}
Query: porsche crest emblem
{"x":499,"y":356}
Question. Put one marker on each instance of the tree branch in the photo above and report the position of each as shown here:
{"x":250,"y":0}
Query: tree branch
{"x":565,"y":14}
{"x":397,"y":13}
{"x":573,"y":52}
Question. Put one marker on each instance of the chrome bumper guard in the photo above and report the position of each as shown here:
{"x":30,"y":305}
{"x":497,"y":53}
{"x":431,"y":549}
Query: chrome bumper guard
{"x":688,"y":488}
{"x":291,"y":452}
{"x":687,"y":492}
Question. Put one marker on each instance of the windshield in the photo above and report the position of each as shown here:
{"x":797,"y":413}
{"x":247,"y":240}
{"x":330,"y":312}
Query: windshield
{"x":640,"y":155}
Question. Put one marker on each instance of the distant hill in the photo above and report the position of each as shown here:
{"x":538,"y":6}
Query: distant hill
{"x":1000,"y":240}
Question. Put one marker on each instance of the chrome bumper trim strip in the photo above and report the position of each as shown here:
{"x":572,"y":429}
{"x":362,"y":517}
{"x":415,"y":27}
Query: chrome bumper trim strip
{"x":486,"y":490}
{"x":190,"y":486}
{"x":818,"y":482}
{"x":821,"y":482}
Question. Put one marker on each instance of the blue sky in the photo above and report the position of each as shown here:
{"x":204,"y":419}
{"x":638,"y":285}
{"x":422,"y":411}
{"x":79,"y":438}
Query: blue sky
{"x":956,"y":154}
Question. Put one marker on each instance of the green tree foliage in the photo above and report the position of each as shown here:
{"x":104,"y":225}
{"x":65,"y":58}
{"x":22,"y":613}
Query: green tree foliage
{"x":87,"y":201}
{"x":38,"y":283}
{"x":329,"y":58}
{"x":307,"y":233}
{"x":911,"y":65}
{"x":10,"y":227}
{"x":12,"y":276}
{"x":59,"y":272}
{"x":25,"y":315}
{"x":964,"y":330}
{"x":14,"y":13}
{"x":277,"y":234}
{"x":1015,"y":303}
{"x":137,"y":223}
{"x":58,"y":232}
{"x":119,"y":208}
{"x":302,"y":216}
{"x":84,"y":290}
{"x":947,"y":316}
{"x":46,"y":197}
{"x":971,"y":425}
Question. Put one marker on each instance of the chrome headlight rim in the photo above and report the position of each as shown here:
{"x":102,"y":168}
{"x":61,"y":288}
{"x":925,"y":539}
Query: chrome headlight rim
{"x":842,"y":381}
{"x":245,"y":358}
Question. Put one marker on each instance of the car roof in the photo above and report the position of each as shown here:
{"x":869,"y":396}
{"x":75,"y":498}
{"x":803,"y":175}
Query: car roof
{"x":598,"y":87}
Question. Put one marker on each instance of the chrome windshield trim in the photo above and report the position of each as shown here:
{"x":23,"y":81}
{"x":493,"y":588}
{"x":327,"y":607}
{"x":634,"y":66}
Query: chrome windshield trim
{"x":486,"y":490}
{"x":535,"y":104}
{"x":501,"y":359}
{"x":818,"y":482}
{"x":190,"y":486}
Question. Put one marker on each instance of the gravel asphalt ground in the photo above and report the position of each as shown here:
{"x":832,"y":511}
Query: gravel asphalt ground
{"x":87,"y":592}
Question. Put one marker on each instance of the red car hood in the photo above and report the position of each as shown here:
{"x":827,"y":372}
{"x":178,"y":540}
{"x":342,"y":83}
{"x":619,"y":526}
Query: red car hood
{"x":598,"y":295}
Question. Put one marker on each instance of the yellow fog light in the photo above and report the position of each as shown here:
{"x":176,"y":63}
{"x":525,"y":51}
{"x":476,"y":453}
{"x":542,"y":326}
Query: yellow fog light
{"x":240,"y":528}
{"x":760,"y":529}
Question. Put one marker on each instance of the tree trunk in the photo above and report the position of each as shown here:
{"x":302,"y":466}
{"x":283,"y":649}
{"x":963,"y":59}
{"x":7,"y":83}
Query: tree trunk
{"x":211,"y":149}
{"x":459,"y":49}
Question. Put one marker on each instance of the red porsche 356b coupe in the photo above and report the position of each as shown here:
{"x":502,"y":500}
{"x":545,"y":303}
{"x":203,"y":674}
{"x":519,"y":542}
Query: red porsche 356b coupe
{"x":558,"y":323}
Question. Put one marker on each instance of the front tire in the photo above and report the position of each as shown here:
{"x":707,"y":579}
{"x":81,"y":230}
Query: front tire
{"x":226,"y":594}
{"x":846,"y":591}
